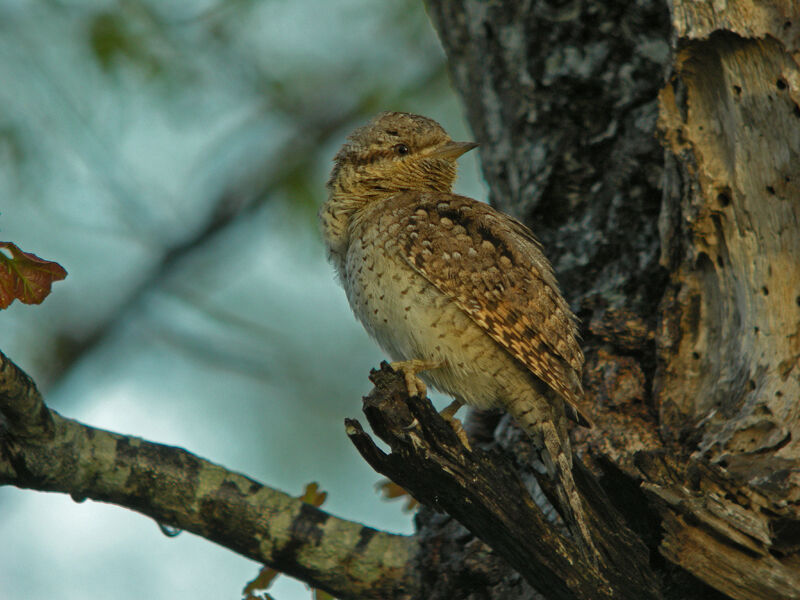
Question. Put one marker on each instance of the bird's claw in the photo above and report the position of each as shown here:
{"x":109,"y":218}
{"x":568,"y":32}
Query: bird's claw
{"x":409,"y":368}
{"x":449,"y":414}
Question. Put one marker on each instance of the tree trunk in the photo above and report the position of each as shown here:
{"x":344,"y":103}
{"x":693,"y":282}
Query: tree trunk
{"x":654,"y":150}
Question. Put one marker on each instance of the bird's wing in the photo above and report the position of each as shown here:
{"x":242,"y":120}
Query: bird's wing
{"x":494,"y":269}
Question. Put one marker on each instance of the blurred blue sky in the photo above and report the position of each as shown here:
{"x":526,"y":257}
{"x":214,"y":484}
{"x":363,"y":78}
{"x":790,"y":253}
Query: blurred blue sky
{"x":128,"y":132}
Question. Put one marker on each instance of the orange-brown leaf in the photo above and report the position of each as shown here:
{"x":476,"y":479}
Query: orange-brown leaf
{"x":25,"y":276}
{"x":255,"y":590}
{"x":390,"y":491}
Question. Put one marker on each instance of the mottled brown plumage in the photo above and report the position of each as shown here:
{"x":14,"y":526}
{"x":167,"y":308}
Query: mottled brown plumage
{"x":445,"y":279}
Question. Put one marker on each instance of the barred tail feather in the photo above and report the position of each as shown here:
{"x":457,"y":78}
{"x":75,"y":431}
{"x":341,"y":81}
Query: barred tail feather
{"x":557,"y":457}
{"x":546,"y":424}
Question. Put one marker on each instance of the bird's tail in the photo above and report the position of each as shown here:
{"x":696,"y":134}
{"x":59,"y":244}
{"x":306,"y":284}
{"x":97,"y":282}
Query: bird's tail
{"x":547,"y":426}
{"x":557,"y":458}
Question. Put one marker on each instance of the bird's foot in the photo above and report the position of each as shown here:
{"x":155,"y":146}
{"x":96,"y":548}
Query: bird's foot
{"x":409,"y":369}
{"x":448,"y":413}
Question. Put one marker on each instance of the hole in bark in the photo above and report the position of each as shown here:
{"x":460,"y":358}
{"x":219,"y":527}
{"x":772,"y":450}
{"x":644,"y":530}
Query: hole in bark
{"x":719,"y":261}
{"x":751,"y":384}
{"x":781,"y":84}
{"x":797,"y":300}
{"x":787,"y":24}
{"x":779,"y":394}
{"x":737,"y":89}
{"x":724,"y":198}
{"x":797,"y":111}
{"x":704,"y":263}
{"x":770,"y":190}
{"x":765,"y":290}
{"x":696,"y":355}
{"x":787,"y":532}
{"x":756,"y":330}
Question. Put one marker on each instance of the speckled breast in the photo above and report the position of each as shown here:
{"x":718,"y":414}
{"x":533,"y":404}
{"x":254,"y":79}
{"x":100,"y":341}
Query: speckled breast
{"x":411,"y":319}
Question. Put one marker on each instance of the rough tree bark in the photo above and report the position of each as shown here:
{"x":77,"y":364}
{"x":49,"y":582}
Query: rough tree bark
{"x":655,"y":150}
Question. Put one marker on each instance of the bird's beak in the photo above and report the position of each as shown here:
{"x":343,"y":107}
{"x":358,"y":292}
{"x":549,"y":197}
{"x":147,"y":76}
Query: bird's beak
{"x":453,"y":150}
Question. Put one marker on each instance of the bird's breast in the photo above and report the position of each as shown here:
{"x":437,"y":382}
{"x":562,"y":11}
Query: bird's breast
{"x":392,"y":300}
{"x":412,"y":319}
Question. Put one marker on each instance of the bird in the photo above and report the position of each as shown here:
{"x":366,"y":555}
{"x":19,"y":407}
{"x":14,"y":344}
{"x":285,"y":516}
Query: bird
{"x":458,"y":294}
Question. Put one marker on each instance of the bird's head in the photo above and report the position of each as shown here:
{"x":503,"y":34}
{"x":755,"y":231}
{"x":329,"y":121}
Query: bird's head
{"x":396,"y":152}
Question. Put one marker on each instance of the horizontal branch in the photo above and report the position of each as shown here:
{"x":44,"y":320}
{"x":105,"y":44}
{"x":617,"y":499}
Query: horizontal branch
{"x":41,"y":450}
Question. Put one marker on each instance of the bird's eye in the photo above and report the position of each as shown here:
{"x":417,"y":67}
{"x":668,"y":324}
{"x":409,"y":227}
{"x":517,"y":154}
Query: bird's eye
{"x":401,"y":149}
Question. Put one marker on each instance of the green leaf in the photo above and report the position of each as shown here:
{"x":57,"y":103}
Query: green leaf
{"x":112,"y":38}
{"x":313,"y":496}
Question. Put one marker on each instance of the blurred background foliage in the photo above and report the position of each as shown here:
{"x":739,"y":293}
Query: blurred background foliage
{"x":172,"y":156}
